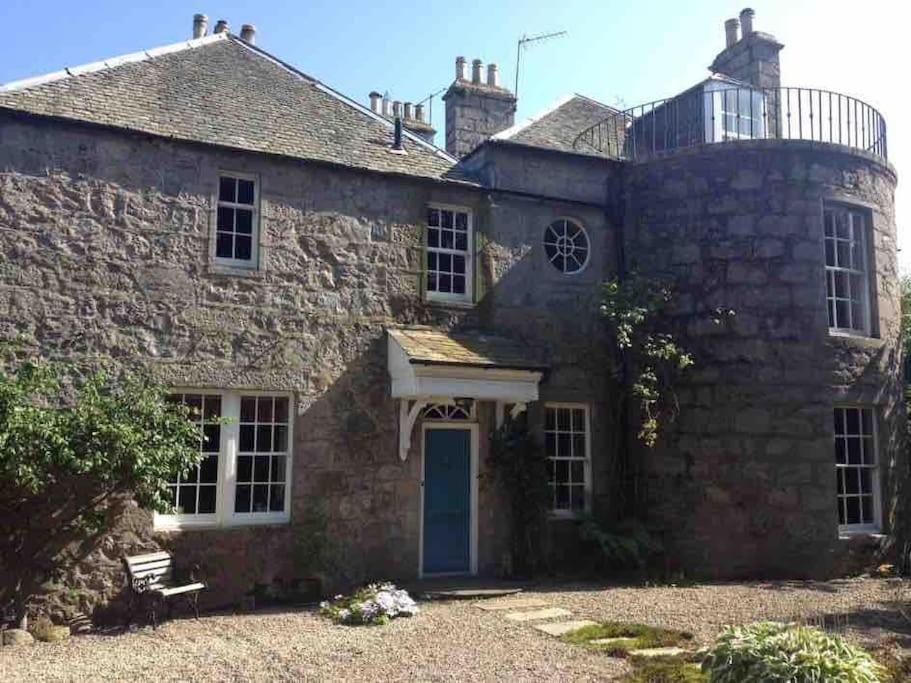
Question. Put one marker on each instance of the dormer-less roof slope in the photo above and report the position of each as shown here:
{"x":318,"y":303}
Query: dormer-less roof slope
{"x":557,"y":127}
{"x":220,"y":90}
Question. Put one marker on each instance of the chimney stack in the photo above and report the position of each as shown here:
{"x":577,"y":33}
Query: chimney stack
{"x":476,"y":71}
{"x":221,"y":26}
{"x":409,"y":111}
{"x":753,"y":58}
{"x":746,"y":21}
{"x":375,"y":98}
{"x":200,"y":25}
{"x":730,"y":32}
{"x":476,"y":109}
{"x":248,"y":33}
{"x":493,"y":76}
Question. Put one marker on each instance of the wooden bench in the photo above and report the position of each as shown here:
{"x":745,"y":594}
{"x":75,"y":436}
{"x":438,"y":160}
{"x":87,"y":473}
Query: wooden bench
{"x":153,"y":582}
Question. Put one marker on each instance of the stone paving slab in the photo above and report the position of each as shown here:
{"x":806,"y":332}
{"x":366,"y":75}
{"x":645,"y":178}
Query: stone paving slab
{"x":609,"y":641}
{"x":521,"y":603}
{"x":658,"y":652}
{"x":561,"y":627}
{"x":549,"y":613}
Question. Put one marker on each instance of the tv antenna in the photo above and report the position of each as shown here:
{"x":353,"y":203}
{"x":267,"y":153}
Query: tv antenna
{"x":524,"y":42}
{"x":429,"y":100}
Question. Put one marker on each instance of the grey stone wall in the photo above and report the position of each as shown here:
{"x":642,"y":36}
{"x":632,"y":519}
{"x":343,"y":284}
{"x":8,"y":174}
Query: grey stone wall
{"x":106,"y":257}
{"x":744,"y":485}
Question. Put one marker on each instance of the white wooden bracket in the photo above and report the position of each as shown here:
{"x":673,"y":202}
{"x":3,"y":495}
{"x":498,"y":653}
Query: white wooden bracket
{"x":517,"y":409}
{"x":408,"y":415}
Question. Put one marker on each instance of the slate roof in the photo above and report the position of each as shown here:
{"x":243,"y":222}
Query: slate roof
{"x":426,"y":346}
{"x":556,"y":128}
{"x":221,"y":90}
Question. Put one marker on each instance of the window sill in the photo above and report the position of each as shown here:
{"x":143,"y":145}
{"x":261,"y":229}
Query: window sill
{"x":848,"y":335}
{"x":566,"y":515}
{"x":869,"y":534}
{"x":216,"y":268}
{"x":241,"y":523}
{"x":446,"y":303}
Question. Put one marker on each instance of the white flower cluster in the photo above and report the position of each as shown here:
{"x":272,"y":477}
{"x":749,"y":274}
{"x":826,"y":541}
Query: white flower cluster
{"x":373,"y":604}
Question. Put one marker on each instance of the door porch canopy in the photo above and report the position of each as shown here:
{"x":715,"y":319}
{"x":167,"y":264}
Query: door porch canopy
{"x":432,"y":366}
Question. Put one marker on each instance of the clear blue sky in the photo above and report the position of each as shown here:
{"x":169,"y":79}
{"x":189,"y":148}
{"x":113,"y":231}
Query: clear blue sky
{"x":615,"y":49}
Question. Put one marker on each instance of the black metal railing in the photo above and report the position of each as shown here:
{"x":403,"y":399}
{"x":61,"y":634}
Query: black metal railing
{"x":721,"y":113}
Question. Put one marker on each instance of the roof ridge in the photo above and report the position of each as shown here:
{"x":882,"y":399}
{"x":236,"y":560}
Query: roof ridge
{"x":111,"y":62}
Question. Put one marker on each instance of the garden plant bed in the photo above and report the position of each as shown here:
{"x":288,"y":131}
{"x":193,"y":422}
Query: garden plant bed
{"x":449,"y":640}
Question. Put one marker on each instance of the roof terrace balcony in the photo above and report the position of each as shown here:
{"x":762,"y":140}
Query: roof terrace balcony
{"x":717,"y":112}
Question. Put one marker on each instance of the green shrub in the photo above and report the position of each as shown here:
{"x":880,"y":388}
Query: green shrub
{"x":772,"y":651}
{"x":664,"y":671}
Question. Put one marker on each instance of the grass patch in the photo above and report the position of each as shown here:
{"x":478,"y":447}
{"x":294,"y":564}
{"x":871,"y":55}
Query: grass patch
{"x":668,"y":670}
{"x":635,"y":637}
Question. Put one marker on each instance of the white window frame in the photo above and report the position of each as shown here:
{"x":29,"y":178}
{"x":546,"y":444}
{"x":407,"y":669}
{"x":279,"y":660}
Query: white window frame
{"x":586,"y":466}
{"x":876,"y":525}
{"x":227,"y":469}
{"x":853,"y":212}
{"x":716,"y":101}
{"x":588,"y":242}
{"x":451,"y":297}
{"x":253,"y":262}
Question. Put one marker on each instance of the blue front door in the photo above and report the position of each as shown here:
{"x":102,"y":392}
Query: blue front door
{"x":447,"y":501}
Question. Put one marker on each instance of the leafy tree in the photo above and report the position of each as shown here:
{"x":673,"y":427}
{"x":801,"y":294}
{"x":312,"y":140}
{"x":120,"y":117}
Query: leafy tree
{"x":74,"y":449}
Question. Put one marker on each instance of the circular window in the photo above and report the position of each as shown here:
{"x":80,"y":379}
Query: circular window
{"x":566,"y":246}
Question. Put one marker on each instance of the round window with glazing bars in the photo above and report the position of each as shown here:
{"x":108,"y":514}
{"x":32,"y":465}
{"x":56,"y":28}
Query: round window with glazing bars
{"x":566,"y":246}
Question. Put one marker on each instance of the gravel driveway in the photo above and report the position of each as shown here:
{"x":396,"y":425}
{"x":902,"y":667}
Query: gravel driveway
{"x":446,"y":641}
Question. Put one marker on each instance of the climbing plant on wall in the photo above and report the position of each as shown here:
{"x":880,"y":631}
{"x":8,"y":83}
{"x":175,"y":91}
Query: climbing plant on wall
{"x":647,"y":360}
{"x":520,"y":467}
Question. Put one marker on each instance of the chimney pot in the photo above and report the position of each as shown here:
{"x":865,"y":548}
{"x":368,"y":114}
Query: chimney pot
{"x":375,"y":102}
{"x":409,"y":111}
{"x":397,"y":109}
{"x":248,"y":33}
{"x":476,"y":67}
{"x":386,"y":106}
{"x":493,"y":76}
{"x":419,"y":112}
{"x":221,"y":26}
{"x":746,"y":21}
{"x":460,"y":69}
{"x":200,"y":25}
{"x":730,"y":32}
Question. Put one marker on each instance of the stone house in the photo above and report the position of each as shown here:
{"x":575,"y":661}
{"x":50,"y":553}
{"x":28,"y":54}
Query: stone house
{"x":364,"y":308}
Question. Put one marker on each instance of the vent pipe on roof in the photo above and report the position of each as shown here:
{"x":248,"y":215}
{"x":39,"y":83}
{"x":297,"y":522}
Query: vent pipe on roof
{"x":730,"y":31}
{"x":397,"y":139}
{"x":746,"y":21}
{"x":200,"y":25}
{"x":248,"y":33}
{"x":221,"y":26}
